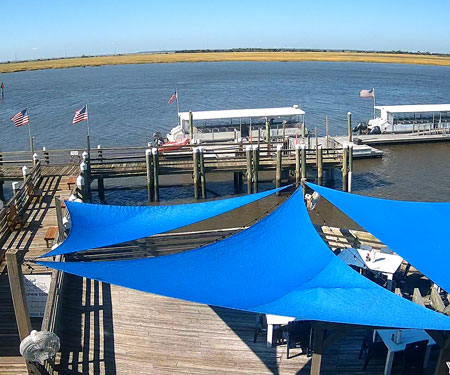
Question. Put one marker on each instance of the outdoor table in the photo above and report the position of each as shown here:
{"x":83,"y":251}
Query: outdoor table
{"x":408,"y":336}
{"x":275,"y":320}
{"x":387,"y":264}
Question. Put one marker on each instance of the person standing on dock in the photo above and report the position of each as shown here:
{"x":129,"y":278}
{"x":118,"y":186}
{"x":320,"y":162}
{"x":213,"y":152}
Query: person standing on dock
{"x":2,"y":87}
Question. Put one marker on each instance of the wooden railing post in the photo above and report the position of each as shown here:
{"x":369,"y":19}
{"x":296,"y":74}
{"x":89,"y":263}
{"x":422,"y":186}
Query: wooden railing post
{"x":195,"y":171}
{"x":18,"y":293}
{"x":297,"y":164}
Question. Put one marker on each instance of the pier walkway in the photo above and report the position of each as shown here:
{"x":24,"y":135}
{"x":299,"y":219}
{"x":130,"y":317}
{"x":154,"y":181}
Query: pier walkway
{"x":30,"y":243}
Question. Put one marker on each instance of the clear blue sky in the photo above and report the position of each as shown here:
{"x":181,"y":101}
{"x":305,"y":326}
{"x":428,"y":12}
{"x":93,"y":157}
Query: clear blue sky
{"x":33,"y":29}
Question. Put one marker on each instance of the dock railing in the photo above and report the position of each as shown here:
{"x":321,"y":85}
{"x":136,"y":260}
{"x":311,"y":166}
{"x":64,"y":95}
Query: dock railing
{"x":19,"y":200}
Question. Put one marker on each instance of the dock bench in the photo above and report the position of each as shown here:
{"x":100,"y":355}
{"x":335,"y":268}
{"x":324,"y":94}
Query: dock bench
{"x":51,"y":234}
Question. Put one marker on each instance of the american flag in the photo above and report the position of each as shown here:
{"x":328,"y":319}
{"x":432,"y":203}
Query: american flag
{"x":21,"y":118}
{"x":367,"y":93}
{"x":80,"y":115}
{"x":173,"y":97}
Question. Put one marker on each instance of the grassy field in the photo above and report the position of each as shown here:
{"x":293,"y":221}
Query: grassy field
{"x":225,"y":56}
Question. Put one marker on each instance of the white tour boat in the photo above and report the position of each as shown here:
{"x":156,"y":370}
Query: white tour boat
{"x":225,"y":125}
{"x":408,"y":119}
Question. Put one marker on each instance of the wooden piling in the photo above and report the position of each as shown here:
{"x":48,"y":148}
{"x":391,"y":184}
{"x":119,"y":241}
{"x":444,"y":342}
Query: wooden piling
{"x":46,"y":156}
{"x":297,"y":165}
{"x":195,"y":171}
{"x":100,"y":182}
{"x":59,"y":220}
{"x":191,"y":127}
{"x":319,"y":158}
{"x":155,"y":174}
{"x":268,"y":133}
{"x":278,"y":168}
{"x":345,"y":168}
{"x":255,"y":168}
{"x":202,"y":173}
{"x":303,"y":167}
{"x":248,"y":154}
{"x":327,"y":132}
{"x":18,"y":293}
{"x":349,"y":126}
{"x":149,"y":167}
{"x":350,"y":167}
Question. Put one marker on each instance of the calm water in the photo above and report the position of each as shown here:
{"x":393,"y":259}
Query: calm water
{"x":128,"y":103}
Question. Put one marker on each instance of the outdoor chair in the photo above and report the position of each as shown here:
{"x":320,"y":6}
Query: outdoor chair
{"x":371,"y":349}
{"x":299,"y":334}
{"x":414,"y":358}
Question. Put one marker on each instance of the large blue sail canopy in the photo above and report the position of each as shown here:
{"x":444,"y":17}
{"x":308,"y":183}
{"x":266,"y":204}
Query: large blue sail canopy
{"x":279,"y":266}
{"x":417,"y":231}
{"x":95,"y":225}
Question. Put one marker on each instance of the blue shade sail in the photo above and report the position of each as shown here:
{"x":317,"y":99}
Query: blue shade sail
{"x":417,"y":231}
{"x":96,"y":225}
{"x":279,"y":266}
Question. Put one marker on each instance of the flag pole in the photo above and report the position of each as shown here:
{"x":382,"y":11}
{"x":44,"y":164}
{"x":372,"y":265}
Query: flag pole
{"x":178,"y":106}
{"x":88,"y":134}
{"x":30,"y":136}
{"x":373,"y":89}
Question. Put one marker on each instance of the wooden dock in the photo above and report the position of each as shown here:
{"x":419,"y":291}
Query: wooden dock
{"x":107,"y":329}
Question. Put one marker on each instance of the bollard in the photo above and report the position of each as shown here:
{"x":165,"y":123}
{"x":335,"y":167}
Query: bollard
{"x":25,"y":172}
{"x":255,"y":168}
{"x":46,"y":155}
{"x":35,"y":159}
{"x":155,"y":173}
{"x":349,"y":126}
{"x":248,"y":153}
{"x":345,"y":167}
{"x":15,"y":187}
{"x":278,"y":168}
{"x":81,"y":187}
{"x":148,"y":163}
{"x":319,"y":165}
{"x":297,"y":164}
{"x":202,"y":173}
{"x":195,"y":171}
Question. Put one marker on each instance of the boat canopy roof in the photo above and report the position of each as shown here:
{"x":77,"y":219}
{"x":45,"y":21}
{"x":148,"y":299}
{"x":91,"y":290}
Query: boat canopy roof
{"x":242,"y":113}
{"x":414,"y":108}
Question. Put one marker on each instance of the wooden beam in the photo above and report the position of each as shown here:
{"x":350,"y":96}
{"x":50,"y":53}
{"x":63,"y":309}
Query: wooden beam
{"x":318,"y":350}
{"x":18,"y":293}
{"x":436,"y":300}
{"x":417,"y":297}
{"x":59,"y":222}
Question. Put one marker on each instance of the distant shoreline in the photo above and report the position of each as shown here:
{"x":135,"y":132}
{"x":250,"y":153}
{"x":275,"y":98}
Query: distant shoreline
{"x":178,"y":57}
